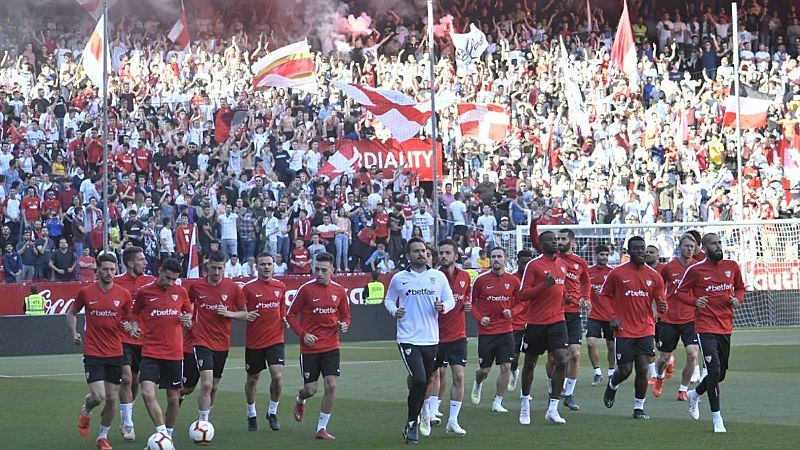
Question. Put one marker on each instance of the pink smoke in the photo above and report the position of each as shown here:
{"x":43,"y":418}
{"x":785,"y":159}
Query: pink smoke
{"x":358,"y":26}
{"x":444,"y":27}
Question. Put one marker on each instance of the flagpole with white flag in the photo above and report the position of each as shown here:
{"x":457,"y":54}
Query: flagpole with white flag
{"x":737,"y":93}
{"x":105,"y":126}
{"x":435,"y":159}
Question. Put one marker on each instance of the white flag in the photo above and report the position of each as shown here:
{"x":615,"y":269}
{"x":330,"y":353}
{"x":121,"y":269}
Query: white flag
{"x":469,"y":48}
{"x":93,"y":56}
{"x":572,"y":90}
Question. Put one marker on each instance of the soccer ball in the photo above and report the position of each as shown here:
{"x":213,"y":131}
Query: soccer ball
{"x":201,"y":432}
{"x":160,"y":441}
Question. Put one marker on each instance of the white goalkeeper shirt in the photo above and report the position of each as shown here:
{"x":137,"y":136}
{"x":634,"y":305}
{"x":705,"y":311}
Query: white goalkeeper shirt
{"x":416,"y":292}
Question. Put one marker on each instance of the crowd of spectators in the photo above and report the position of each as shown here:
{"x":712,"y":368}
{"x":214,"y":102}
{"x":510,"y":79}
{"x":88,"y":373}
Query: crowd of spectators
{"x":192,"y":144}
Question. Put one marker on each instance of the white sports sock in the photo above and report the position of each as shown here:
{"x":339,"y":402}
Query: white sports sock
{"x":683,"y":388}
{"x":638,"y":403}
{"x":103,"y":433}
{"x":610,"y":372}
{"x":553,"y":405}
{"x":438,"y":403}
{"x":161,"y":429}
{"x":651,"y":370}
{"x":426,"y":407}
{"x":126,"y":414}
{"x":170,"y":431}
{"x":525,"y":402}
{"x":455,"y":408}
{"x":273,"y":407}
{"x":570,"y":386}
{"x":498,"y":400}
{"x":549,"y":385}
{"x":612,"y":385}
{"x":302,"y":401}
{"x":251,"y":410}
{"x":597,"y":371}
{"x":202,"y":414}
{"x":323,"y":421}
{"x":433,"y":406}
{"x":716,"y":416}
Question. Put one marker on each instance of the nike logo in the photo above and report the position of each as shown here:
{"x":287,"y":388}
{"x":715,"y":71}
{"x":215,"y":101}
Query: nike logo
{"x":626,"y":281}
{"x":153,"y":299}
{"x":177,"y":383}
{"x":202,"y":296}
{"x":315,"y":300}
{"x":259,"y":295}
{"x":489,"y":287}
{"x":405,"y":283}
{"x":92,"y":303}
{"x":280,"y":360}
{"x":706,"y":278}
{"x":464,"y":361}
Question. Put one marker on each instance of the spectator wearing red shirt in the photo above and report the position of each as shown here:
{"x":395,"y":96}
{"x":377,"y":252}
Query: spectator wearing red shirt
{"x":51,"y":204}
{"x":124,"y":159}
{"x":301,"y":227}
{"x":30,"y":207}
{"x":381,"y":221}
{"x":300,"y":261}
{"x":141,"y":160}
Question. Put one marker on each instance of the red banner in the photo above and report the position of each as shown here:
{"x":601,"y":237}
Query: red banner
{"x":59,"y":296}
{"x":415,"y":153}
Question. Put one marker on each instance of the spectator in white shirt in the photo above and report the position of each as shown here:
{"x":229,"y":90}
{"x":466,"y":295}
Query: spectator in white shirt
{"x":487,"y":222}
{"x":228,"y":234}
{"x":233,"y":268}
{"x":166,"y":239}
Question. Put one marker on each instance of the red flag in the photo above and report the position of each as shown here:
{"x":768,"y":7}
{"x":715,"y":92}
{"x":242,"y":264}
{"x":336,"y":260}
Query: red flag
{"x":484,"y":122}
{"x":193,"y":271}
{"x":179,"y":33}
{"x":753,"y":112}
{"x":344,"y":161}
{"x":222,"y":124}
{"x":623,"y":51}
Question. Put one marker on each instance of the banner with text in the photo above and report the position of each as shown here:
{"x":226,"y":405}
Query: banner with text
{"x":415,"y":154}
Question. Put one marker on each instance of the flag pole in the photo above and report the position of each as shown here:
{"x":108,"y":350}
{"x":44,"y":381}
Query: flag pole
{"x":739,"y":177}
{"x":105,"y":126}
{"x":435,"y":159}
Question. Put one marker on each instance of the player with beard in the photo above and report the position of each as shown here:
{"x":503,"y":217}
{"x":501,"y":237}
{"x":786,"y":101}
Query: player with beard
{"x":632,"y":289}
{"x":597,"y":325}
{"x":452,"y":344}
{"x":715,"y":288}
{"x":135,"y":264}
{"x":518,"y":319}
{"x":676,"y":323}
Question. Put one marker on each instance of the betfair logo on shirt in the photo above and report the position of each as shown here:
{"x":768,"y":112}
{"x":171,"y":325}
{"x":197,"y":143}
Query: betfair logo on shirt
{"x":324,"y":310}
{"x":208,"y":306}
{"x":164,"y":312}
{"x":102,"y":313}
{"x":267,"y":305}
{"x":633,"y":293}
{"x":572,"y":276}
{"x":423,"y":291}
{"x":498,"y":298}
{"x":719,"y":288}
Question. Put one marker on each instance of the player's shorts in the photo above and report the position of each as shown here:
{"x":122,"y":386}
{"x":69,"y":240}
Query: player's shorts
{"x":599,"y":329}
{"x":495,"y":348}
{"x":518,"y":335}
{"x":258,"y":359}
{"x":667,"y":335}
{"x":191,"y":375}
{"x":715,"y":349}
{"x":574,"y":328}
{"x":314,"y":364}
{"x":208,"y":359}
{"x":454,"y":353}
{"x":133,"y":356}
{"x":168,"y":374}
{"x":99,"y":368}
{"x":541,"y":338}
{"x":627,"y":349}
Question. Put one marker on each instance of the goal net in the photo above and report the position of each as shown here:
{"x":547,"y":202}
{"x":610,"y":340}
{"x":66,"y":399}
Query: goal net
{"x":767,"y":252}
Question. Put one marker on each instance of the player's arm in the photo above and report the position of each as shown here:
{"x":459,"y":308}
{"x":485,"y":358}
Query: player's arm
{"x":239,"y":304}
{"x":344,"y":314}
{"x":586,"y":285}
{"x":607,"y":294}
{"x":739,"y":288}
{"x":475,"y":295}
{"x":533,"y":287}
{"x":659,"y":296}
{"x":684,"y":293}
{"x":447,"y":299}
{"x":71,"y":318}
{"x":186,"y":309}
{"x":390,"y":302}
{"x":293,"y":313}
{"x":534,"y":234}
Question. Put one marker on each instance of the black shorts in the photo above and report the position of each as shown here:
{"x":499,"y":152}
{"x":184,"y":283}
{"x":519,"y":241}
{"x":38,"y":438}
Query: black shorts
{"x":599,"y":329}
{"x":454,"y":353}
{"x":518,"y":335}
{"x":312,"y":364}
{"x":258,"y":359}
{"x":100,"y":368}
{"x":627,"y":349}
{"x":495,"y":348}
{"x":133,"y":356}
{"x":667,"y":335}
{"x":208,"y":359}
{"x":574,"y":328}
{"x":715,"y":349}
{"x":191,"y":375}
{"x":168,"y":374}
{"x":541,"y":338}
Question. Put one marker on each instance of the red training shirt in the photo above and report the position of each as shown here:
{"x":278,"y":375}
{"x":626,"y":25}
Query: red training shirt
{"x":453,"y":325}
{"x":160,"y":309}
{"x":210,"y":329}
{"x":631,"y":291}
{"x":678,"y":312}
{"x":104,"y":312}
{"x":518,"y":311}
{"x":601,"y":309}
{"x":268,"y":298}
{"x":546,"y":305}
{"x":491,"y":294}
{"x":321,"y":307}
{"x":132,"y":284}
{"x":718,"y":281}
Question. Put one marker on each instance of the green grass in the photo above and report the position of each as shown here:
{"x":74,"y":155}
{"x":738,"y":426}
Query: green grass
{"x":40,"y":397}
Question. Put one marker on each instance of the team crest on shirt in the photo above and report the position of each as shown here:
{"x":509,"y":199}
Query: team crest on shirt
{"x":649,"y":283}
{"x":116,"y":302}
{"x":576,"y":267}
{"x":333,"y":298}
{"x":727,"y":273}
{"x":708,"y":358}
{"x":174,"y":297}
{"x":507,"y":285}
{"x":433,"y":280}
{"x":564,"y":270}
{"x":462,"y":283}
{"x":224,"y":297}
{"x":277,"y":293}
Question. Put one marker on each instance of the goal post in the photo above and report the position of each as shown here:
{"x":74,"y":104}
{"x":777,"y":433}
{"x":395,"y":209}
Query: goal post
{"x":767,"y":252}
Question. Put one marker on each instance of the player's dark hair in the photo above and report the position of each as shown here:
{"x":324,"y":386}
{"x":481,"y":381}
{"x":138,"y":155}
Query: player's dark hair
{"x":601,"y":248}
{"x":634,"y":239}
{"x":129,"y":253}
{"x":171,"y":264}
{"x":568,"y":232}
{"x":524,"y":254}
{"x":698,"y":238}
{"x":505,"y":253}
{"x":106,"y":257}
{"x":707,"y":238}
{"x":414,"y":240}
{"x":545,"y":233}
{"x":216,"y":256}
{"x":265,"y":255}
{"x":447,"y":241}
{"x":653,"y":246}
{"x":325,"y":257}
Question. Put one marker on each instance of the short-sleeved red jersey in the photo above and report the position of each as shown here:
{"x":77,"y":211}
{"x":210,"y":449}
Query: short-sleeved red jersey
{"x":678,"y":312}
{"x":631,"y":291}
{"x":104,"y":312}
{"x":268,"y":299}
{"x":160,"y":310}
{"x":320,"y":308}
{"x":718,"y":281}
{"x":518,"y":319}
{"x":491,"y":294}
{"x":546,"y":305}
{"x":210,"y":329}
{"x":601,"y":309}
{"x":453,"y":325}
{"x":132,"y":284}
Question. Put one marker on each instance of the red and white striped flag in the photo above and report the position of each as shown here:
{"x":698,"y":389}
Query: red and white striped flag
{"x":193,"y":271}
{"x":399,"y":113}
{"x":179,"y":33}
{"x":343,"y":162}
{"x":753,"y":112}
{"x":483,"y":122}
{"x":623,"y":51}
{"x":291,"y":66}
{"x":93,"y":55}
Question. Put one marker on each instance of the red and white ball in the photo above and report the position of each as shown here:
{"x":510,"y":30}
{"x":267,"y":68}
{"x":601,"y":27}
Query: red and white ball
{"x":201,"y":432}
{"x":160,"y":441}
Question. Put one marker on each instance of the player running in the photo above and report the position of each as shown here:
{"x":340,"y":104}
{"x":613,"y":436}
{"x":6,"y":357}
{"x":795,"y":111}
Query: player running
{"x":452,"y":344}
{"x":493,"y":298}
{"x":216,"y":301}
{"x":164,"y":309}
{"x":598,"y":324}
{"x":416,"y":297}
{"x":715,"y":287}
{"x":134,"y":278}
{"x":546,"y":330}
{"x":324,"y":311}
{"x":577,"y":292}
{"x":264,"y":339}
{"x":631,"y":289}
{"x":676,"y":323}
{"x":106,"y":306}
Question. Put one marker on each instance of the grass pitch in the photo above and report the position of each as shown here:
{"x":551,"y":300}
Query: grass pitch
{"x":40,"y":398}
